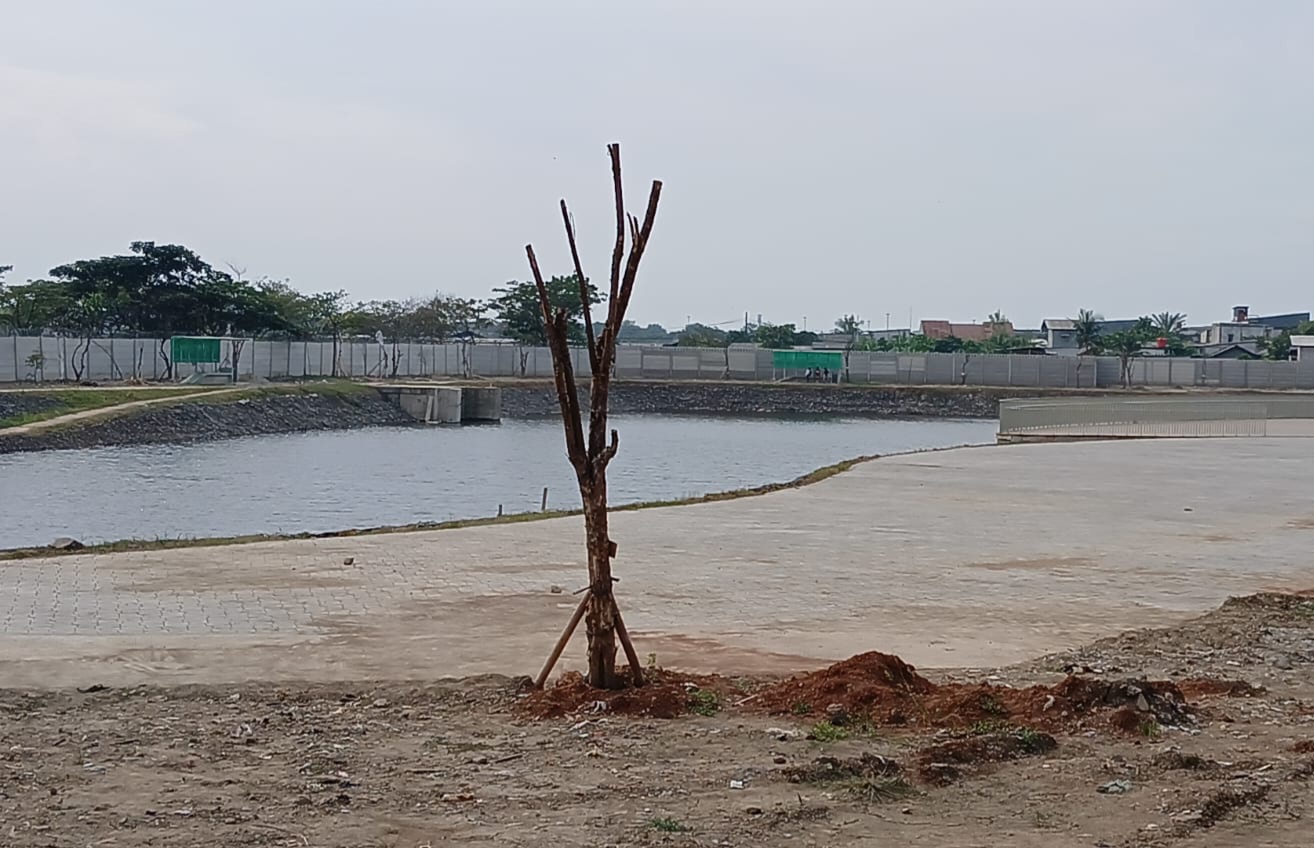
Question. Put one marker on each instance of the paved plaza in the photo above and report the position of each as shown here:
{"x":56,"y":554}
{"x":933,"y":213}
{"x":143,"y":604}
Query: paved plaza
{"x":965,"y":557}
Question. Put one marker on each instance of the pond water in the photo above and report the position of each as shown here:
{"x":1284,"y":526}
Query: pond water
{"x":366,"y":478}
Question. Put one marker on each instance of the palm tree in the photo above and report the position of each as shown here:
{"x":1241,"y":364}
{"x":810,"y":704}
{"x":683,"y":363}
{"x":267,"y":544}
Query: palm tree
{"x":1087,"y":327}
{"x":1169,"y":325}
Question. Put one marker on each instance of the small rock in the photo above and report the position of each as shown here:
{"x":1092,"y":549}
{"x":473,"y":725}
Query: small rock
{"x":66,"y":543}
{"x":780,"y":759}
{"x":736,"y":784}
{"x":380,"y":703}
{"x":1142,"y":704}
{"x":555,"y":589}
{"x":1115,"y":787}
{"x":784,"y":734}
{"x":349,"y":561}
{"x":754,"y":811}
{"x":907,"y":811}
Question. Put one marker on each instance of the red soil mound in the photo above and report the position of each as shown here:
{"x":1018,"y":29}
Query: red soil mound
{"x":884,"y":690}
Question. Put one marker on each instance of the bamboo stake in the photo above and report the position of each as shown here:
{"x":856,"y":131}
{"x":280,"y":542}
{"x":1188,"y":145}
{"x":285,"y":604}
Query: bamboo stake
{"x":561,"y":642}
{"x":630,"y":654}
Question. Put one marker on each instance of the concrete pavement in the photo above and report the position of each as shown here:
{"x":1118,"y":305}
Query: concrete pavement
{"x":974,"y":556}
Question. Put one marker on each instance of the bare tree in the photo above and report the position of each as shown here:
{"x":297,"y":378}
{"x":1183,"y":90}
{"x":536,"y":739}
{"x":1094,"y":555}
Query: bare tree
{"x":590,"y":456}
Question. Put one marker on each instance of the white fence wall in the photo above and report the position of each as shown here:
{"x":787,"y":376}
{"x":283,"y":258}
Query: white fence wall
{"x":116,"y":359}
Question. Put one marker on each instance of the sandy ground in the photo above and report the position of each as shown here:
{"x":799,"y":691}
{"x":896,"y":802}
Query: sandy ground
{"x":958,"y":558}
{"x":388,"y":764}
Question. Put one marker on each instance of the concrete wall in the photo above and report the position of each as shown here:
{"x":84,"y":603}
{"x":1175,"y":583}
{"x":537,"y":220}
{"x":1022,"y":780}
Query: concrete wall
{"x":124,"y":358}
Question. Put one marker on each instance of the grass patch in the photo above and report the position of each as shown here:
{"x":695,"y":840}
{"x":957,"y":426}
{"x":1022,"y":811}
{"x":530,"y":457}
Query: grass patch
{"x":824,"y":731}
{"x":80,"y":400}
{"x":704,"y":702}
{"x":668,"y":825}
{"x":347,"y":388}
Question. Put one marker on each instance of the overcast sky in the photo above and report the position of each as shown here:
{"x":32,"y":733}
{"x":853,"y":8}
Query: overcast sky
{"x":935,"y":157}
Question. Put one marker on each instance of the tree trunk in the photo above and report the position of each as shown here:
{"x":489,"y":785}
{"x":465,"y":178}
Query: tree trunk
{"x":600,"y":621}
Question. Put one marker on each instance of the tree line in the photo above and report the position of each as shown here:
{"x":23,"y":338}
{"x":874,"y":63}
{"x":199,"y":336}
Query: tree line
{"x":165,"y":290}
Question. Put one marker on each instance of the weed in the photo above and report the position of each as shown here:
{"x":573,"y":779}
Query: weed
{"x":704,"y":702}
{"x":824,"y":731}
{"x":875,"y":790}
{"x":1033,"y":741}
{"x":801,"y":708}
{"x":668,"y":825}
{"x":989,"y":726}
{"x":992,"y":707}
{"x":1149,"y":728}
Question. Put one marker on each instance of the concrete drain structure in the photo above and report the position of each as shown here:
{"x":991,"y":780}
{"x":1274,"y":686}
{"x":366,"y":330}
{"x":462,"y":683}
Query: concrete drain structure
{"x":447,"y":404}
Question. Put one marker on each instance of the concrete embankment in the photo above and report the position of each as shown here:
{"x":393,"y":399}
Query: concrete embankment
{"x":263,"y":413}
{"x":536,"y":399}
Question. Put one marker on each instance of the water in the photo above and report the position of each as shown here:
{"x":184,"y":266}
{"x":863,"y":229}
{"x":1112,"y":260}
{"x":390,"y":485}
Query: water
{"x":366,"y":478}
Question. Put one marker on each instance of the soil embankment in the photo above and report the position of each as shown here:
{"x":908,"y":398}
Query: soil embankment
{"x":222,"y":417}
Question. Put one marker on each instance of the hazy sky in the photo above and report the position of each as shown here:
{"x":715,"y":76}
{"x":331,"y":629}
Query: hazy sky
{"x":944,"y":158}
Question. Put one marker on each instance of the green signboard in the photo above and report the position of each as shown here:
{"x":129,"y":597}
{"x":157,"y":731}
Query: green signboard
{"x":193,"y":350}
{"x":799,"y":360}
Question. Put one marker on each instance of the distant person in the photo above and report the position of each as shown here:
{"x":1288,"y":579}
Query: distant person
{"x":826,"y":374}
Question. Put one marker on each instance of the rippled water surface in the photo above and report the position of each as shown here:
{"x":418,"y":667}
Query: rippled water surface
{"x":365,"y":478}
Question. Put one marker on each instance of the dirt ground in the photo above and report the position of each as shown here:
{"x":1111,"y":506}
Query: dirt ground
{"x":747,"y":762}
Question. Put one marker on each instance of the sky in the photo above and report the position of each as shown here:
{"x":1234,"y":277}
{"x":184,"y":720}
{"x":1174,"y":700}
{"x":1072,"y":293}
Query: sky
{"x":926,"y":158}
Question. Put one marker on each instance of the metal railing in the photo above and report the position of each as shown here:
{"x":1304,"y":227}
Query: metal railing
{"x":1183,"y":417}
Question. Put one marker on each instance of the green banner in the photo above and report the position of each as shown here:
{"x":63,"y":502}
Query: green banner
{"x":799,"y":360}
{"x":192,"y":350}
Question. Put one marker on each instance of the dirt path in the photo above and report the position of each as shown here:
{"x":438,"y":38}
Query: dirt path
{"x":107,"y":411}
{"x":407,"y":766}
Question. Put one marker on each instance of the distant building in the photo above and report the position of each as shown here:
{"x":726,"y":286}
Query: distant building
{"x":1302,"y":348}
{"x":1060,"y":334}
{"x":1243,"y":328}
{"x":966,"y":332}
{"x":1231,"y":350}
{"x":840,"y":341}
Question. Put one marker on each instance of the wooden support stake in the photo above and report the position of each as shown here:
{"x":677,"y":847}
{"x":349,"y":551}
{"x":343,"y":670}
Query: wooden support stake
{"x":543,"y":508}
{"x":630,"y":654}
{"x":561,"y":642}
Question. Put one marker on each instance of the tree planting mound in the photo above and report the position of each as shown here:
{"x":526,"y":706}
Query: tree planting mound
{"x":664,"y":695}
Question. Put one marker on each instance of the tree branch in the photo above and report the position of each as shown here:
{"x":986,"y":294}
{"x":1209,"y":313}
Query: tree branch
{"x":554,"y":328}
{"x":618,"y":250}
{"x":583,"y":286}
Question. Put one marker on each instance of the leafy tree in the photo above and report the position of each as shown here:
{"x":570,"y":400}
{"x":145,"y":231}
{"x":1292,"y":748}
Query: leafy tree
{"x":518,"y":310}
{"x":1125,"y":345}
{"x":805,"y":338}
{"x":32,"y":306}
{"x":700,"y":335}
{"x":632,"y":332}
{"x":775,"y":336}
